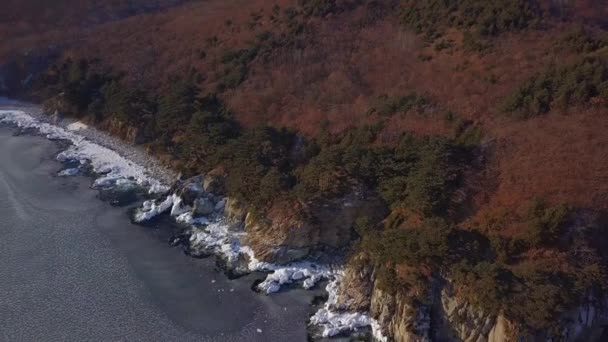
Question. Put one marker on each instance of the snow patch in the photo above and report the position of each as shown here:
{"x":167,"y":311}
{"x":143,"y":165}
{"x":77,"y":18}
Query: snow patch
{"x":76,"y":126}
{"x":178,"y":207}
{"x":68,"y":172}
{"x":112,"y":166}
{"x":306,"y":272}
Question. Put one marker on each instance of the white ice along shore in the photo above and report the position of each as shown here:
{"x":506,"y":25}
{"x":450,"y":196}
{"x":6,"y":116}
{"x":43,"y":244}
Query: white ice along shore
{"x":114,"y":170}
{"x":209,"y":233}
{"x":214,"y":235}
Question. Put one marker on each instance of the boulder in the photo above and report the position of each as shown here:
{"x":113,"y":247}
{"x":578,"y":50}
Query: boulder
{"x":220,"y":205}
{"x":355,"y":291}
{"x":190,"y":189}
{"x":203,"y":207}
{"x":291,"y":229}
{"x":285,"y":234}
{"x":214,"y":181}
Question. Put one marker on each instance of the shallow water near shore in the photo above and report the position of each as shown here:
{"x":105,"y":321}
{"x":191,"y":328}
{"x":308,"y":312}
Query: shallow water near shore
{"x":73,"y":267}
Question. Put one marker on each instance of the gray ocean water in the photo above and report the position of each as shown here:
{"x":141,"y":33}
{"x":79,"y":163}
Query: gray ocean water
{"x":74,"y":268}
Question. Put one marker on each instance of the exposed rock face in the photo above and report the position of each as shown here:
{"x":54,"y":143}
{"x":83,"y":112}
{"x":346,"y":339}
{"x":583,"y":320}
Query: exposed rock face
{"x":291,"y":229}
{"x":501,"y":330}
{"x":283,"y":236}
{"x":235,"y":211}
{"x":214,"y":181}
{"x":457,"y":320}
{"x":449,"y":318}
{"x":466,"y":323}
{"x":190,"y":190}
{"x":398,"y":318}
{"x":587,"y":322}
{"x":356,"y":292}
{"x":125,"y":131}
{"x":203,"y":207}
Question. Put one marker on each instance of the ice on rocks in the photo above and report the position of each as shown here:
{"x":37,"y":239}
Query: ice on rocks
{"x":291,"y":273}
{"x":115,"y":170}
{"x":68,"y":172}
{"x":102,"y":160}
{"x":178,"y":207}
{"x":151,"y":209}
{"x":334,"y":320}
{"x":187,"y":218}
{"x":158,"y":188}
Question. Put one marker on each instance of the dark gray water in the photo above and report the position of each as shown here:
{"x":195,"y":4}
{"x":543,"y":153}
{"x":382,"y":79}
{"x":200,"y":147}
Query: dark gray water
{"x":73,"y":268}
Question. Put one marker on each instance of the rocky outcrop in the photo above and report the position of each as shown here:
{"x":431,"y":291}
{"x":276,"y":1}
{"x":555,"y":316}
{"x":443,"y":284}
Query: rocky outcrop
{"x":283,"y":235}
{"x":460,"y":321}
{"x":235,"y":211}
{"x":457,"y":320}
{"x":190,"y":190}
{"x":203,"y":206}
{"x":587,"y":322}
{"x":397,"y":316}
{"x":125,"y":131}
{"x":213,"y":181}
{"x":356,"y":292}
{"x":291,"y":229}
{"x":501,"y":331}
{"x":449,"y":318}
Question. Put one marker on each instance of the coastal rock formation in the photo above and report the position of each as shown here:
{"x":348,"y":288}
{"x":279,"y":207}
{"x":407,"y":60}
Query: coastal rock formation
{"x":203,"y":207}
{"x":446,"y":317}
{"x":290,"y":230}
{"x":125,"y":131}
{"x":284,"y":235}
{"x":213,"y":181}
{"x":235,"y":211}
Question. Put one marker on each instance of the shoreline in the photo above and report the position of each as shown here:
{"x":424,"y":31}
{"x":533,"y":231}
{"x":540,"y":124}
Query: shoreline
{"x":59,"y":232}
{"x":127,"y":151}
{"x":211,"y":234}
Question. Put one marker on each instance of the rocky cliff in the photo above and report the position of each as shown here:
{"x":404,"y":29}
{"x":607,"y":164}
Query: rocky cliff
{"x":447,"y":317}
{"x":291,"y":230}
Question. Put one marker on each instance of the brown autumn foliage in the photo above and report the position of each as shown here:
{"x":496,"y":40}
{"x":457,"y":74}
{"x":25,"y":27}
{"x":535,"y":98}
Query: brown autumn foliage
{"x":345,"y":63}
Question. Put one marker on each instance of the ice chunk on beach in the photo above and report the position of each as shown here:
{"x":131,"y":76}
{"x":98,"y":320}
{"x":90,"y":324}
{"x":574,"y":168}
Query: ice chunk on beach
{"x":187,"y":218}
{"x":294,"y":272}
{"x":151,"y":209}
{"x":68,"y":172}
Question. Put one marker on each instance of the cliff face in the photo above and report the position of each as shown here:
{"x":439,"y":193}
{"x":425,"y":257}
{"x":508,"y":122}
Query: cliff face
{"x":291,"y":230}
{"x":446,"y":317}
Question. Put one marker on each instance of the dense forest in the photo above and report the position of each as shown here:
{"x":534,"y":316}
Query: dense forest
{"x":480,"y":125}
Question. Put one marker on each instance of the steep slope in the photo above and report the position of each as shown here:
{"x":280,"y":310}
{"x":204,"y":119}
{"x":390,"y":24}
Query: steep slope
{"x":478,"y":127}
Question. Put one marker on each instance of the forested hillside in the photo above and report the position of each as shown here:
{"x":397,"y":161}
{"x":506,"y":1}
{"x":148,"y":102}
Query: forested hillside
{"x":480,"y":126}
